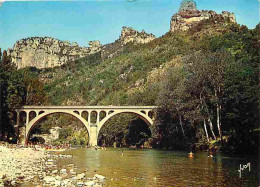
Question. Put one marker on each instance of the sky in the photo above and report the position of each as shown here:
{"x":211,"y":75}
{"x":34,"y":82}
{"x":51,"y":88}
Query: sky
{"x":84,"y":21}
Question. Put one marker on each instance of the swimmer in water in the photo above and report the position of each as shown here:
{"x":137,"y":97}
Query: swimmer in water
{"x":191,"y":155}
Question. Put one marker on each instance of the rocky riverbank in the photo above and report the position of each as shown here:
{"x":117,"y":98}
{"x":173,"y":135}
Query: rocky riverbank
{"x":27,"y":165}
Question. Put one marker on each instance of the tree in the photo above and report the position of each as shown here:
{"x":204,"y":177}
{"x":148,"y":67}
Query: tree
{"x":172,"y":125}
{"x":18,"y":87}
{"x":35,"y":91}
{"x":207,"y":76}
{"x":6,"y":68}
{"x":241,"y":101}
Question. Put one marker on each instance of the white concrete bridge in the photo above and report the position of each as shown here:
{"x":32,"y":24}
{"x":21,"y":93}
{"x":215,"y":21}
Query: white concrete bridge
{"x":82,"y":113}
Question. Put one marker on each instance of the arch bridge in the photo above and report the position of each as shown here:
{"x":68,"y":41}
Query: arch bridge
{"x":82,"y":113}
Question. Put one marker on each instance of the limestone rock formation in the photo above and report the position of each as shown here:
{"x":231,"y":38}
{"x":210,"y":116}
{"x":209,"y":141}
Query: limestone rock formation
{"x":189,"y":16}
{"x":47,"y":52}
{"x":94,"y":46}
{"x":188,"y":5}
{"x":128,"y":34}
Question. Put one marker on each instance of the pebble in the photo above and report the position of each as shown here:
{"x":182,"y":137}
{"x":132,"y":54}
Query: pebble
{"x":80,"y":176}
{"x":59,"y":178}
{"x":57,"y":183}
{"x":99,"y":177}
{"x":90,"y":183}
{"x":54,"y":172}
{"x":80,"y":183}
{"x":63,"y":171}
{"x":49,"y":179}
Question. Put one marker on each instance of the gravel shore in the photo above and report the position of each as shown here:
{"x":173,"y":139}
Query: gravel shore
{"x":27,"y":165}
{"x":20,"y":164}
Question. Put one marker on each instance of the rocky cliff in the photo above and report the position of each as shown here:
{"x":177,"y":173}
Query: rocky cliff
{"x":188,"y":16}
{"x":128,"y":34}
{"x":47,"y":52}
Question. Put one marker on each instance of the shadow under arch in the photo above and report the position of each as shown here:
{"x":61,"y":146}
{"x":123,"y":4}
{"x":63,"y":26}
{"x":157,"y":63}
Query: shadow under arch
{"x":34,"y":121}
{"x":141,"y":115}
{"x":39,"y":139}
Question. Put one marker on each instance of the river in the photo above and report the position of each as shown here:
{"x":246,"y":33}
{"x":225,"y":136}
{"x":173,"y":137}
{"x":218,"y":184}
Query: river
{"x":151,"y":167}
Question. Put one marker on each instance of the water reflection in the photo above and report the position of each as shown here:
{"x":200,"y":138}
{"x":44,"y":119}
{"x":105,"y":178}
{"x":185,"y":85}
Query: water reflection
{"x":160,"y":168}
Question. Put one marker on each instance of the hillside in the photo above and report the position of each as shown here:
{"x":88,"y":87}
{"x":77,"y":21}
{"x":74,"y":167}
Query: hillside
{"x":122,"y":72}
{"x":138,"y":74}
{"x":128,"y":75}
{"x":203,"y":75}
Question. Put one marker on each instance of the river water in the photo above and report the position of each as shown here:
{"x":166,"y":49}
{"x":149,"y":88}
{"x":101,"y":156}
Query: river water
{"x":151,"y":167}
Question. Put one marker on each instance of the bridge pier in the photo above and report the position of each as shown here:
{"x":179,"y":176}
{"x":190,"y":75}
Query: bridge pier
{"x":22,"y":135}
{"x":93,"y":135}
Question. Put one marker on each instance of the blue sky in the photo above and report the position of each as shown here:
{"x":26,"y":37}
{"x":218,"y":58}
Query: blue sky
{"x":83,"y":21}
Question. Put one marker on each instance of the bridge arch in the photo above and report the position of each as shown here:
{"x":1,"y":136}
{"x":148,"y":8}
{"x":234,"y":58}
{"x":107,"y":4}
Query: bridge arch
{"x":144,"y":117}
{"x":34,"y":121}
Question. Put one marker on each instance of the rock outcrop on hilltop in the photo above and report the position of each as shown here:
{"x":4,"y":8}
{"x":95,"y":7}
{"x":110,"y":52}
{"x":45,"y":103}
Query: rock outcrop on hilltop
{"x":188,"y":16}
{"x":128,"y":34}
{"x":188,"y":5}
{"x":47,"y":52}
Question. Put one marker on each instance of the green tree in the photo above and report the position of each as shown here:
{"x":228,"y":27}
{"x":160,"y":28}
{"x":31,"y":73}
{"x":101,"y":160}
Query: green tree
{"x":18,"y":87}
{"x":172,"y":124}
{"x":6,"y":69}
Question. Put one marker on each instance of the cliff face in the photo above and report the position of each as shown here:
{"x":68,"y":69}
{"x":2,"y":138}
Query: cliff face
{"x":47,"y":52}
{"x":188,"y":16}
